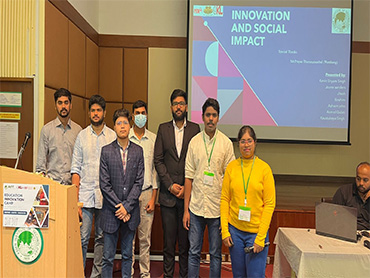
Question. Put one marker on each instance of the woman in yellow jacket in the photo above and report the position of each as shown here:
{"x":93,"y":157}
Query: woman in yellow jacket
{"x":247,"y":205}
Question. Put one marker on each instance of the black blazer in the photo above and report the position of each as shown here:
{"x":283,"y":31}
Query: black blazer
{"x":170,"y":167}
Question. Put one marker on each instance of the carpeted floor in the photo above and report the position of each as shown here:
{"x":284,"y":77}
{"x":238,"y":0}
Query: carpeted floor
{"x":156,"y":269}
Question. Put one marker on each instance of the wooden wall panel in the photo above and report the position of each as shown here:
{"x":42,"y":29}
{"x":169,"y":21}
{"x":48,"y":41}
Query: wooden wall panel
{"x":87,"y":116}
{"x":79,"y":110}
{"x":56,"y":48}
{"x":76,"y":61}
{"x":111,"y":73}
{"x":92,"y":68}
{"x":289,"y":218}
{"x":74,"y":16}
{"x":135,"y":74}
{"x":49,"y":105}
{"x":110,"y":108}
{"x":128,"y":106}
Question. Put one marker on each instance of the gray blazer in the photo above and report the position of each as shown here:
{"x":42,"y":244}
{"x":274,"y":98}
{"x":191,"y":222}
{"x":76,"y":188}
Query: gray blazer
{"x":170,"y":167}
{"x":118,"y":187}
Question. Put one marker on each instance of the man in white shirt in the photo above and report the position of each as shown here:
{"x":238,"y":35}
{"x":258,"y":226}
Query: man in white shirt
{"x":85,"y":175}
{"x":208,"y":155}
{"x":146,"y":139}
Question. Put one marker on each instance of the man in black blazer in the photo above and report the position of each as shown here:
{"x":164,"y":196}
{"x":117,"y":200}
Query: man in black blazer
{"x":121,"y":179}
{"x":169,"y":159}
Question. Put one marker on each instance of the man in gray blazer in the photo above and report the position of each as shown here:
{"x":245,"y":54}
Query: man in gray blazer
{"x":121,"y":179}
{"x":169,"y":159}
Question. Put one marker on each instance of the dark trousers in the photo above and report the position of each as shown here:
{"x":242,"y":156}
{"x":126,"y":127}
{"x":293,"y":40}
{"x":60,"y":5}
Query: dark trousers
{"x":173,"y":230}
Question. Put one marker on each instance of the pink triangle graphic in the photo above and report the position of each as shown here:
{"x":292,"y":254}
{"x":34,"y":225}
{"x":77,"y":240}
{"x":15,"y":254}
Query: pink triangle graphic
{"x":228,"y":69}
{"x":234,"y":115}
{"x":201,"y":32}
{"x":208,"y":85}
{"x":198,"y":97}
{"x":254,"y":113}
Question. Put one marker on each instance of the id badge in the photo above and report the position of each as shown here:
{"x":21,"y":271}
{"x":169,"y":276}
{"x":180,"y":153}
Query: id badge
{"x":208,"y":178}
{"x":244,"y":213}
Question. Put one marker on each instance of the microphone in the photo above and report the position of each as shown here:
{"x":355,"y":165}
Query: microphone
{"x":26,"y":138}
{"x":250,"y":249}
{"x":23,"y":147}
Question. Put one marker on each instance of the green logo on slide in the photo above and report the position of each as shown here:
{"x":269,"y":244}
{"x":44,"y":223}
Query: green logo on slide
{"x":341,"y":21}
{"x":27,"y":244}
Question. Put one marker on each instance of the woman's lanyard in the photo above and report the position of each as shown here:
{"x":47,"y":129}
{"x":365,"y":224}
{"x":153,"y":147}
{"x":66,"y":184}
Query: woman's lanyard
{"x":246,"y":187}
{"x":210,"y":155}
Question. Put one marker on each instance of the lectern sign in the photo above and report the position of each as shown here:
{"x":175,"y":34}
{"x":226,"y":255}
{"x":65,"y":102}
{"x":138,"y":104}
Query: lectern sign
{"x":27,"y":244}
{"x":26,"y":205}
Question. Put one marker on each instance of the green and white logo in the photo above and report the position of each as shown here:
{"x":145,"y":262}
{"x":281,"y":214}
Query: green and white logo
{"x":341,"y":21}
{"x":27,"y":244}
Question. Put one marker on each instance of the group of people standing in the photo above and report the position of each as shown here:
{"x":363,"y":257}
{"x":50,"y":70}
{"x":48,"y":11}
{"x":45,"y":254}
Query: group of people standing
{"x":119,"y":172}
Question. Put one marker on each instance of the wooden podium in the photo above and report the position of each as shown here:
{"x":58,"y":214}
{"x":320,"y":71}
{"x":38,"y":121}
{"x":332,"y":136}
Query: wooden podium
{"x":62,"y":253}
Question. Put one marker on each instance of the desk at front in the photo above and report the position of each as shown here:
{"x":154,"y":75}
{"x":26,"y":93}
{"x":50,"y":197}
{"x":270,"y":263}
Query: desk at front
{"x":311,"y":255}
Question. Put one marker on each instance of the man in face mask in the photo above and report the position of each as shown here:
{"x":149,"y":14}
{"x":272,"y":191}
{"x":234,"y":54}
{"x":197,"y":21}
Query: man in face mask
{"x":146,"y":139}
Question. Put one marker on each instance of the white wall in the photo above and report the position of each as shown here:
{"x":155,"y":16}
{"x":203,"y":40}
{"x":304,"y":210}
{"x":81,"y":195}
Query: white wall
{"x":89,"y":9}
{"x":143,"y":17}
{"x":169,"y":17}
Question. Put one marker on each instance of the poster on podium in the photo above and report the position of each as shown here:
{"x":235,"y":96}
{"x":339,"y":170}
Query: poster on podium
{"x":26,"y":205}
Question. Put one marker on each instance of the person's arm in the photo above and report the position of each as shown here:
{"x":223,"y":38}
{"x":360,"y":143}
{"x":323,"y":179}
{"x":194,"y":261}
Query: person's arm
{"x":224,"y":210}
{"x":42,"y":152}
{"x":155,"y":182}
{"x":150,"y":206}
{"x":187,"y":196}
{"x":76,"y":164}
{"x":190,"y":170}
{"x":338,"y":198}
{"x":159,"y":164}
{"x":230,"y":156}
{"x":269,"y":199}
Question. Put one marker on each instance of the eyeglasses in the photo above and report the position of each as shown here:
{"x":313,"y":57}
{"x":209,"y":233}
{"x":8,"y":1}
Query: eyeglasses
{"x":246,"y":142}
{"x":122,"y":122}
{"x":181,"y":103}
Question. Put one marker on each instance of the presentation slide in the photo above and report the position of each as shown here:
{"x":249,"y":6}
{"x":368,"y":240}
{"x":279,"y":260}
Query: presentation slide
{"x":283,"y":70}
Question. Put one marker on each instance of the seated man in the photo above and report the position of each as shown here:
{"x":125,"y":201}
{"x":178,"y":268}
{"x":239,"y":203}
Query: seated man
{"x":357,"y":195}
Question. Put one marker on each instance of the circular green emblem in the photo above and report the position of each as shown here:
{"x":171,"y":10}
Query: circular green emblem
{"x":27,"y":244}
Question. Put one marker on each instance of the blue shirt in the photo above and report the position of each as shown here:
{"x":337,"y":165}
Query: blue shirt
{"x":85,"y":163}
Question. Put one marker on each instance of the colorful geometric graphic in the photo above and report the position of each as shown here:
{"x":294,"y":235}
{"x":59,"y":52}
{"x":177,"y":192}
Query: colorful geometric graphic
{"x":225,"y":84}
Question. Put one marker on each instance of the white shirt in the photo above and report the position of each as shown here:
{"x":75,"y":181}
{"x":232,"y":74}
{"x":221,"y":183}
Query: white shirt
{"x":205,"y":199}
{"x":179,"y":136}
{"x":147,"y":143}
{"x":86,"y":161}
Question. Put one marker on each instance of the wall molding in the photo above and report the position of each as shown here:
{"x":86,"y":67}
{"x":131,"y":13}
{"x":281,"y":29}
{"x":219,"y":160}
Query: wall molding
{"x":74,"y":16}
{"x":103,"y":40}
{"x":142,"y":41}
{"x":312,"y":180}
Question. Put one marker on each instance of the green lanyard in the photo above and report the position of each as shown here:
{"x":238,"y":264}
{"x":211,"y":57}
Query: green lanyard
{"x":209,"y":156}
{"x":246,"y":188}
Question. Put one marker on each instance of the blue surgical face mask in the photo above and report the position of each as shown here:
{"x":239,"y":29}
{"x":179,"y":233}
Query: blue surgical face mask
{"x":140,"y":120}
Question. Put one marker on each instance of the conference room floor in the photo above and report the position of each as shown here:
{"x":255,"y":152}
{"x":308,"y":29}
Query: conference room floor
{"x":156,"y":269}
